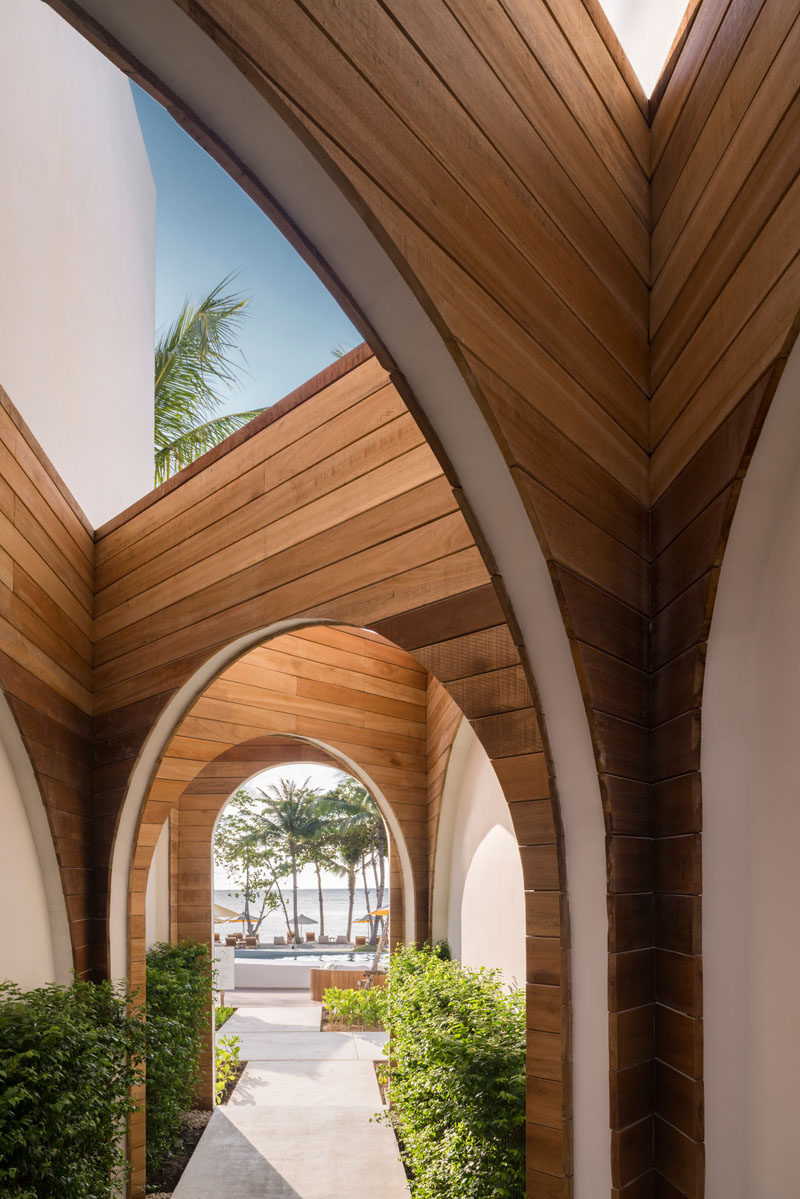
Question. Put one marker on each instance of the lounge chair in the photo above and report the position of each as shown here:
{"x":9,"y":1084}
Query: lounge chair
{"x":342,"y":940}
{"x":231,"y":939}
{"x":323,"y":939}
{"x":278,"y":940}
{"x":251,"y":942}
{"x":361,"y":940}
{"x":311,"y":936}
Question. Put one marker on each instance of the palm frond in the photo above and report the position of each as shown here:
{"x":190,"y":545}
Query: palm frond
{"x":196,"y":358}
{"x":193,"y":443}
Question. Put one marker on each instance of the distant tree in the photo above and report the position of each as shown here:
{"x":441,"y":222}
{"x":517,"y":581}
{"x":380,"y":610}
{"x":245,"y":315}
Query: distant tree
{"x":196,"y":357}
{"x":255,"y":867}
{"x":291,"y":818}
{"x":361,"y":837}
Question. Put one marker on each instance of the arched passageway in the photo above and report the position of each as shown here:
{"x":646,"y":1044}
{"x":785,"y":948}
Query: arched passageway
{"x":338,"y":694}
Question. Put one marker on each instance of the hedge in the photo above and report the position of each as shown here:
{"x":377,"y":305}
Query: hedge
{"x":178,"y":1016}
{"x":457,"y":1077}
{"x":68,"y":1059}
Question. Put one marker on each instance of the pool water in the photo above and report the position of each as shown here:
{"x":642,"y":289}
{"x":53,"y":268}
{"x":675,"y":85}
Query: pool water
{"x":332,"y":958}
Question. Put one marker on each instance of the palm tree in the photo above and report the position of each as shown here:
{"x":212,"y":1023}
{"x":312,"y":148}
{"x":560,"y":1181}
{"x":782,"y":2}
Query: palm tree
{"x":361,"y":836}
{"x":292,"y":817}
{"x":194,"y":357}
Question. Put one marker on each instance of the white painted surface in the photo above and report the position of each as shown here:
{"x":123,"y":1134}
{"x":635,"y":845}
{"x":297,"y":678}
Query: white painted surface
{"x":482,"y":884}
{"x":26,"y":951}
{"x":173,"y":47}
{"x":751,"y":827}
{"x":35,"y":944}
{"x":156,"y":903}
{"x":77,"y":227}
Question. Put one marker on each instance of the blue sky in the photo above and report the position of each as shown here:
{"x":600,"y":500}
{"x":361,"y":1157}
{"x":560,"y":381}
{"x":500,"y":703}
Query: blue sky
{"x":207,"y":228}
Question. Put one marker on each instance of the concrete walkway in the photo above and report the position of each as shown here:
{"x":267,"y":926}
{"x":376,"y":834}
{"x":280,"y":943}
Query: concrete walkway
{"x":300,"y":1123}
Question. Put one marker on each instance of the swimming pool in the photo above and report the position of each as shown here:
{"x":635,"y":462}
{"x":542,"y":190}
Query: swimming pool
{"x":331,"y":957}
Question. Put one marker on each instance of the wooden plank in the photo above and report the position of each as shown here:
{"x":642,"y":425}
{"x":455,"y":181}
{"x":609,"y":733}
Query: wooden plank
{"x":559,"y":464}
{"x":770,"y":28}
{"x":723,"y":35}
{"x":578,"y":544}
{"x":684,"y":73}
{"x":252,"y":571}
{"x":282,"y":531}
{"x":336,"y":448}
{"x":756,"y":277}
{"x":698,"y":269}
{"x":278,"y":425}
{"x":754,"y":351}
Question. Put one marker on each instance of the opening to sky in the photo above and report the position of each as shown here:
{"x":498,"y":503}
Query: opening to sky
{"x":208,"y":228}
{"x":646,"y":30}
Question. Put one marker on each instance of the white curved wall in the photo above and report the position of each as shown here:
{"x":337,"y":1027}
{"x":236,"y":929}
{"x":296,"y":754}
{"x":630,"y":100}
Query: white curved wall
{"x":156,"y":899}
{"x":77,"y":227}
{"x":751,"y":828}
{"x":26,"y":948}
{"x":479,"y":892}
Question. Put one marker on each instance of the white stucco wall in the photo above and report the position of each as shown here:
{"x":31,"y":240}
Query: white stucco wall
{"x":77,"y":227}
{"x":26,"y":948}
{"x":479,"y":894}
{"x":751,"y":828}
{"x":156,"y":900}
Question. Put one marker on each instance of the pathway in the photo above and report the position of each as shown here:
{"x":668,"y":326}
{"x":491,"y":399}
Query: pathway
{"x":299,"y":1124}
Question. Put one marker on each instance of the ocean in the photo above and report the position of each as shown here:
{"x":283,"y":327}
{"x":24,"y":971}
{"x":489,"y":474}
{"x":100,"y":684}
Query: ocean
{"x":334,"y":901}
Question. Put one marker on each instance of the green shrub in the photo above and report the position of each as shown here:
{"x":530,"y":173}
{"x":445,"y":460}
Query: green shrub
{"x":355,"y":1009}
{"x":221,"y":1014}
{"x":226,"y":1063}
{"x":457,"y":1077}
{"x":178,"y":1013}
{"x":68,"y":1059}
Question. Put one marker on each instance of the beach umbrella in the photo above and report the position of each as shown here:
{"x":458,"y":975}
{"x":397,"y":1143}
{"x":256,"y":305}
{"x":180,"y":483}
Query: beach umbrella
{"x":304,"y":920}
{"x":223,"y":915}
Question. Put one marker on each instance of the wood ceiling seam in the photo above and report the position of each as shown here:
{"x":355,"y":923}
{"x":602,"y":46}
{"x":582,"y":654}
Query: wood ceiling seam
{"x":722,"y":124}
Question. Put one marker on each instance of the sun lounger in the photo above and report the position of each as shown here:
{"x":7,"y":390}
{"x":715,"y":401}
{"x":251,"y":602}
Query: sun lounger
{"x":323,"y":939}
{"x":278,"y":940}
{"x":361,"y":940}
{"x":311,"y":936}
{"x":251,"y":942}
{"x":231,"y":939}
{"x":342,"y":940}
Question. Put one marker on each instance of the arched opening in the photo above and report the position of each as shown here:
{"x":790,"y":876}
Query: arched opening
{"x":334,"y":694}
{"x":751,"y":895}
